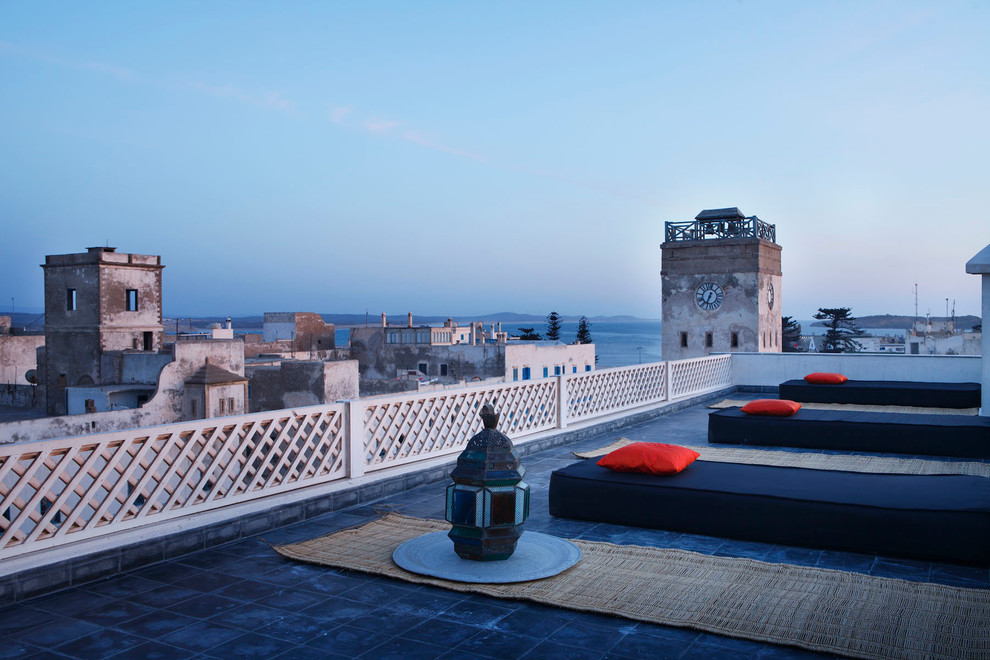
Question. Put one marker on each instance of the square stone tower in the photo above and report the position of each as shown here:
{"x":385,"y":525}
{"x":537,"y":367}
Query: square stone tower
{"x":96,"y":302}
{"x":721,"y":290}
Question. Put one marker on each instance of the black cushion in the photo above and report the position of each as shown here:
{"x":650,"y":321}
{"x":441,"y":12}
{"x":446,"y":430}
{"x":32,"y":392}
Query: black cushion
{"x":884,"y":393}
{"x":964,"y":436}
{"x":944,"y":517}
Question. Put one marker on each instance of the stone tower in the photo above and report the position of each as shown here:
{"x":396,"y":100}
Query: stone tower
{"x":97,"y":302}
{"x":720,"y":286}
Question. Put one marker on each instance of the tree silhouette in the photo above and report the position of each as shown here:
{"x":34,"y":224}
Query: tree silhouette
{"x":584,"y":331}
{"x":790,"y":332}
{"x":841,"y":330}
{"x":553,"y":326}
{"x":528,"y":334}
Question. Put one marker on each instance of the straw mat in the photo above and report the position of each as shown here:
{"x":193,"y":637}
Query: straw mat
{"x":917,"y":410}
{"x":816,"y":461}
{"x":813,"y":608}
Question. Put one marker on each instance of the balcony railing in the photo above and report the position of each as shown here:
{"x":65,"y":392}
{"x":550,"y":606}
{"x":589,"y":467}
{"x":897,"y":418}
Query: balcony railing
{"x":700,"y":230}
{"x":57,"y":492}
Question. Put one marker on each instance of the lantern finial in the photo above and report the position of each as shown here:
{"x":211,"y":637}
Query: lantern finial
{"x":489,"y":417}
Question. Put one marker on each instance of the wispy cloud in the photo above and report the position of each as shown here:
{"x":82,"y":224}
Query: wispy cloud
{"x":270,"y":100}
{"x":422,"y":140}
{"x":97,"y":67}
{"x":374,"y":125}
{"x":340,"y":112}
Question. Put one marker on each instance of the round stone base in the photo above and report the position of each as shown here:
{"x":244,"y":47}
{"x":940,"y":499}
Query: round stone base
{"x":537,"y":556}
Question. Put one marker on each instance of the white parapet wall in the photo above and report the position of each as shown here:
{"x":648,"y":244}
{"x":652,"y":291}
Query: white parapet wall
{"x":772,"y":369}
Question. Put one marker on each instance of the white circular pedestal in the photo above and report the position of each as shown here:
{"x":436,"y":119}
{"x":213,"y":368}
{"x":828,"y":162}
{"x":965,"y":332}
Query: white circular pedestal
{"x":537,"y":556}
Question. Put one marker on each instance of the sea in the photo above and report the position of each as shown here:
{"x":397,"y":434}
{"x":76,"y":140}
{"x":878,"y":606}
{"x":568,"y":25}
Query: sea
{"x":617,"y":343}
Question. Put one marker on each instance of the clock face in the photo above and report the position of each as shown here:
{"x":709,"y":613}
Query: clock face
{"x":709,"y":296}
{"x":770,"y":295}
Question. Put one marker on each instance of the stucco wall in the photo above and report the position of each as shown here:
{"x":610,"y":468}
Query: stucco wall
{"x":18,"y":355}
{"x":302,"y":383}
{"x":771,"y":370}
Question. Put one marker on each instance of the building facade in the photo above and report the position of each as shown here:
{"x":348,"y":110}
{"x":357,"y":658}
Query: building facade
{"x":720,"y":286}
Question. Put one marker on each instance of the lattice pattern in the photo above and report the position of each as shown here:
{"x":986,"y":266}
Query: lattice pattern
{"x":437,"y":423}
{"x":699,"y":375}
{"x":58,"y":491}
{"x":611,"y":390}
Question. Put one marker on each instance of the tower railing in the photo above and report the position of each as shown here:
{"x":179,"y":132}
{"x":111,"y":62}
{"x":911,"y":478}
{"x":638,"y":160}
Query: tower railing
{"x":700,"y":230}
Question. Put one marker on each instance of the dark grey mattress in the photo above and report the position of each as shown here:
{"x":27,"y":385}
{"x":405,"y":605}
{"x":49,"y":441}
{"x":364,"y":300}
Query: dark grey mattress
{"x":945,"y":517}
{"x":963,"y":436}
{"x":885,"y":393}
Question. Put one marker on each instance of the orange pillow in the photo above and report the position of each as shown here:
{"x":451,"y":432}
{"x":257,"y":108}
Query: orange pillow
{"x":774,"y":407}
{"x":649,"y":458}
{"x":823,"y":378}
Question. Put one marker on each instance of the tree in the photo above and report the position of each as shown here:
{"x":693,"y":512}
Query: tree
{"x":841,"y":330}
{"x":790,"y":332}
{"x":553,"y":326}
{"x":528,"y":334}
{"x":584,"y":331}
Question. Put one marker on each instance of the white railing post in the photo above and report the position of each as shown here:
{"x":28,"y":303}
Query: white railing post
{"x":354,"y":439}
{"x":561,"y":402}
{"x":666,"y":381}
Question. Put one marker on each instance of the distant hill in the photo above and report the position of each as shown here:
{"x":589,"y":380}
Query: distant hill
{"x":905,"y":322}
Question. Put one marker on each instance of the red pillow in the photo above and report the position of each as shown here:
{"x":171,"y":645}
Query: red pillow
{"x":649,"y":458}
{"x":823,"y":378}
{"x":774,"y":407}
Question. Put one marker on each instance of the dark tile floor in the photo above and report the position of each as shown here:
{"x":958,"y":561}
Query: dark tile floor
{"x":242,"y":600}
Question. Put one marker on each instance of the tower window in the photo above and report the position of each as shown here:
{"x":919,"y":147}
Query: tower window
{"x":735,"y":340}
{"x":683,"y":340}
{"x":70,"y":300}
{"x":708,"y":340}
{"x":132,"y":300}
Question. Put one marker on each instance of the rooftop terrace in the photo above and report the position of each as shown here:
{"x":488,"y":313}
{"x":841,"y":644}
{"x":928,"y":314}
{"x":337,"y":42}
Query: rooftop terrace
{"x":241,"y":599}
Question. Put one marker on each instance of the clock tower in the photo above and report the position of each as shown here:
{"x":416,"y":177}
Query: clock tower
{"x":720,"y":286}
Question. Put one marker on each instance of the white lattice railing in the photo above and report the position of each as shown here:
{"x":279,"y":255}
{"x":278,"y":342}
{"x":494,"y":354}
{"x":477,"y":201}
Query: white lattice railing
{"x":55,"y":492}
{"x":699,"y":375}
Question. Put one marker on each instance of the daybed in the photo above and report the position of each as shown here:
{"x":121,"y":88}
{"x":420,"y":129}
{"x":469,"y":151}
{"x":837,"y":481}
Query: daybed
{"x":884,"y":393}
{"x":965,"y":436}
{"x":945,"y":517}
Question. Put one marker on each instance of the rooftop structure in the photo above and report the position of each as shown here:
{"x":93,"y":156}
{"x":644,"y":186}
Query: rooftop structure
{"x":714,"y":224}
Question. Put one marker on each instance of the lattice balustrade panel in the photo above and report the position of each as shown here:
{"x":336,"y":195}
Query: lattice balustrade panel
{"x":58,"y":490}
{"x":601,"y":392}
{"x":437,"y":423}
{"x":699,"y":375}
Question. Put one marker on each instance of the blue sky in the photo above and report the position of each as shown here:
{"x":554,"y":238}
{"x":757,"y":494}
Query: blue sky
{"x":465,"y":158}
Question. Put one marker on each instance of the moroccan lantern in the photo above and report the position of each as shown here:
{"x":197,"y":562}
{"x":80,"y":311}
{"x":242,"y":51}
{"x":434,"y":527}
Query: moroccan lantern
{"x":488,"y":502}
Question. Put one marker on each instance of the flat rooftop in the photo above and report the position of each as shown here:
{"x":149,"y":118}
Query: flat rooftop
{"x":244,"y":600}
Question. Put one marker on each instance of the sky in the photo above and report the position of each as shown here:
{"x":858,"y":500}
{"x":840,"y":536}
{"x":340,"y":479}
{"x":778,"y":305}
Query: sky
{"x":458,"y":158}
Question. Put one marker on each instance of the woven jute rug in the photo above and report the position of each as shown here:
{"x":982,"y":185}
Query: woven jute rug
{"x":739,"y":403}
{"x":813,"y":608}
{"x":817,"y":461}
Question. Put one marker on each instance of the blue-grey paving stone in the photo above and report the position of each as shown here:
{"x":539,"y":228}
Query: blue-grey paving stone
{"x":293,"y":573}
{"x":57,"y":630}
{"x":384,"y":621}
{"x":846,"y":561}
{"x":206,"y":560}
{"x":698,"y":543}
{"x":745,"y":549}
{"x":431,"y":630}
{"x":973,"y":577}
{"x":250,"y":617}
{"x":204,"y":606}
{"x":113,"y":613}
{"x":250,"y":645}
{"x":251,"y":547}
{"x":69,"y":601}
{"x":102,"y":644}
{"x":425,"y":603}
{"x":534,"y":621}
{"x":477,"y":612}
{"x":201,"y":636}
{"x":254,"y":566}
{"x":339,"y":610}
{"x":405,"y":649}
{"x":658,"y":642}
{"x":166,"y":572}
{"x":15,"y":648}
{"x":307,"y":653}
{"x":496,"y":644}
{"x":44,"y":655}
{"x":20,"y":617}
{"x":785,"y":554}
{"x":248,"y":590}
{"x":154,"y":651}
{"x":347,"y":641}
{"x":580,"y":632}
{"x":903,"y":569}
{"x":555,"y":651}
{"x":378,"y":592}
{"x":208,"y":581}
{"x":295,"y":628}
{"x":158,"y":623}
{"x":163,"y":596}
{"x":120,"y":586}
{"x":292,"y":600}
{"x":326,"y":582}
